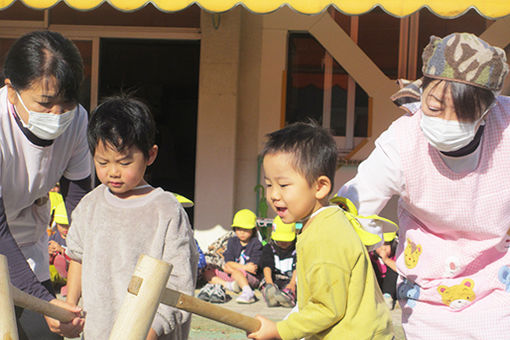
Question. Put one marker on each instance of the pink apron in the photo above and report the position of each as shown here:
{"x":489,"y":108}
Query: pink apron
{"x":453,"y":251}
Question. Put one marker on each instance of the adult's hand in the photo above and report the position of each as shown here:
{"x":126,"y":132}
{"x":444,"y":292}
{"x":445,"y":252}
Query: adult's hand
{"x":68,"y":329}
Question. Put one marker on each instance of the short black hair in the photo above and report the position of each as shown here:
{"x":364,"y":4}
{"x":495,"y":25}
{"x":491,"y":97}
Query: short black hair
{"x":45,"y":54}
{"x":123,"y":122}
{"x":313,"y":148}
{"x":469,"y":101}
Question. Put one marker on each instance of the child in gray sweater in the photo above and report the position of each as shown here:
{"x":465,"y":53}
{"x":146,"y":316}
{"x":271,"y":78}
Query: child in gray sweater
{"x":123,"y":218}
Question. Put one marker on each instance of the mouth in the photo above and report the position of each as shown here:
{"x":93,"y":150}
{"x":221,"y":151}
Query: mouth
{"x":115,"y":184}
{"x":281,"y":211}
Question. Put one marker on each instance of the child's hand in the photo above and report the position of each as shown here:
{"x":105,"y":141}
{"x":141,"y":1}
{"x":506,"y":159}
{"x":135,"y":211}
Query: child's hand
{"x":54,"y":248}
{"x":292,"y":286}
{"x":266,"y":331}
{"x":69,"y":329}
{"x":251,"y":267}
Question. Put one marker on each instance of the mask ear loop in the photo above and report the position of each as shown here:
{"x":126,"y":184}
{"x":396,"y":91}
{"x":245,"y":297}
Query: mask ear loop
{"x":483,"y":117}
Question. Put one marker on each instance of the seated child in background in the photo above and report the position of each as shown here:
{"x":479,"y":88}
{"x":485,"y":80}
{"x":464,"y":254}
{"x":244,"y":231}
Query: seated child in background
{"x":123,"y":218}
{"x":242,"y":261}
{"x":383,"y":260}
{"x":214,"y":254}
{"x":59,"y":261}
{"x":279,"y":265}
{"x":337,"y":292}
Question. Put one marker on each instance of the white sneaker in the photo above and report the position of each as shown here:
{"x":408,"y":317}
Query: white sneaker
{"x":246,"y":297}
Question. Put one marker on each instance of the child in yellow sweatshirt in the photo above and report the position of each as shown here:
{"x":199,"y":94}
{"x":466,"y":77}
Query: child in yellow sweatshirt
{"x":338,"y":296}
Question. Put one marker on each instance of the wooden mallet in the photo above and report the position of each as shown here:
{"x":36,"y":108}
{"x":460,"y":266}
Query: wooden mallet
{"x":142,"y":281}
{"x":25,"y":300}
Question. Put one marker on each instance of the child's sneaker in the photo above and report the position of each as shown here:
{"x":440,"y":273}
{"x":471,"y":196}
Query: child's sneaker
{"x":246,"y":297}
{"x":286,"y":298}
{"x":269,"y":294}
{"x":234,"y":287}
{"x":205,"y":292}
{"x":218,"y":294}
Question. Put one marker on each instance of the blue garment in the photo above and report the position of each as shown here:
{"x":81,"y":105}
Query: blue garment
{"x":251,"y":252}
{"x":201,"y":257}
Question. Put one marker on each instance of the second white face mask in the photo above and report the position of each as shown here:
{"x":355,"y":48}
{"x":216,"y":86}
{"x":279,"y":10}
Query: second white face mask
{"x":450,"y":135}
{"x":447,"y":135}
{"x":47,"y":126}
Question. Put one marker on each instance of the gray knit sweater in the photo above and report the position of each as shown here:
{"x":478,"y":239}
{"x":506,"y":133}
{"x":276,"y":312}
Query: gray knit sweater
{"x":107,"y":236}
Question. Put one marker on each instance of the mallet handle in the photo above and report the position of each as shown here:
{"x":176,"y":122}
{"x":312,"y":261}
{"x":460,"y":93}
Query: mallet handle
{"x":28,"y":301}
{"x":208,"y":310}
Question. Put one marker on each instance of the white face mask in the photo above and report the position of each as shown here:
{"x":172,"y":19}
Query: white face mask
{"x":47,"y":126}
{"x":449,"y":135}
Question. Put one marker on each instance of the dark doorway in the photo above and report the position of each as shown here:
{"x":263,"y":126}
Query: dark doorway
{"x":163,"y":73}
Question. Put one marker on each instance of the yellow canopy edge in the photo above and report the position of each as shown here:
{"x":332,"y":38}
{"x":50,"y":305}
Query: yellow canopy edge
{"x":491,"y":9}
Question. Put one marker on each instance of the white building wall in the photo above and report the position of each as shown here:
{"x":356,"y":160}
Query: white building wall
{"x":217,"y":124}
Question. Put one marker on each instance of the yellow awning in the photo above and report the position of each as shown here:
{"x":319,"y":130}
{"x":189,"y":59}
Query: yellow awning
{"x":443,"y":8}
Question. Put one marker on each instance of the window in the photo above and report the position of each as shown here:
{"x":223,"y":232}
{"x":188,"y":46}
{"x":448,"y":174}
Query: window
{"x":319,"y":88}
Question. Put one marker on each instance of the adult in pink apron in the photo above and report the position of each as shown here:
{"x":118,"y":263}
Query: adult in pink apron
{"x":448,"y":160}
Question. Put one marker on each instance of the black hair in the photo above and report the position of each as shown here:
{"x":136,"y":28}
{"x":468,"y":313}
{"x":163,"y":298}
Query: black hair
{"x":45,"y":54}
{"x":123,"y":122}
{"x":469,"y":101}
{"x":253,"y":231}
{"x":314,"y":149}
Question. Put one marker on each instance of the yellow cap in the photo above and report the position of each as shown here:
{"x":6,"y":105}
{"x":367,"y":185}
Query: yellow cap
{"x":344,"y":203}
{"x":283,"y":232}
{"x":388,"y":237}
{"x":55,"y":199}
{"x":389,"y":228}
{"x":60,"y":215}
{"x":245,"y":219}
{"x":186,"y":203}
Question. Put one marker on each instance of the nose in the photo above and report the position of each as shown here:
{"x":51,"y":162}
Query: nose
{"x":113,"y":171}
{"x":57,"y":109}
{"x":273,"y":194}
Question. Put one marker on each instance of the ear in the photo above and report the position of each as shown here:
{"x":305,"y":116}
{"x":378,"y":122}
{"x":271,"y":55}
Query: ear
{"x":468,"y":283}
{"x":11,"y":92}
{"x":153,"y":153}
{"x":323,"y":187}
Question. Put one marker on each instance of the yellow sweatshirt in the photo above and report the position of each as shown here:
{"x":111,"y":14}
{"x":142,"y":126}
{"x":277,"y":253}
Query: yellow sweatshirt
{"x":338,"y":295}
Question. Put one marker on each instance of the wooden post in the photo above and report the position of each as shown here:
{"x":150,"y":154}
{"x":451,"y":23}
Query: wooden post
{"x":137,"y":311}
{"x":8,"y":328}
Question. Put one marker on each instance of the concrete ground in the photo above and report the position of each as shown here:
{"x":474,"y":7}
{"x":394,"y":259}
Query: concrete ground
{"x":205,"y":329}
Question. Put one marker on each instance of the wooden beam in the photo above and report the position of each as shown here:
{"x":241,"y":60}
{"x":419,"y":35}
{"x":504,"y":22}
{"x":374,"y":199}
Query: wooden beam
{"x":498,"y":34}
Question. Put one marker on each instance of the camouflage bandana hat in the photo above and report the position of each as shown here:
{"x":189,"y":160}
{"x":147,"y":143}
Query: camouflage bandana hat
{"x":465,"y":58}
